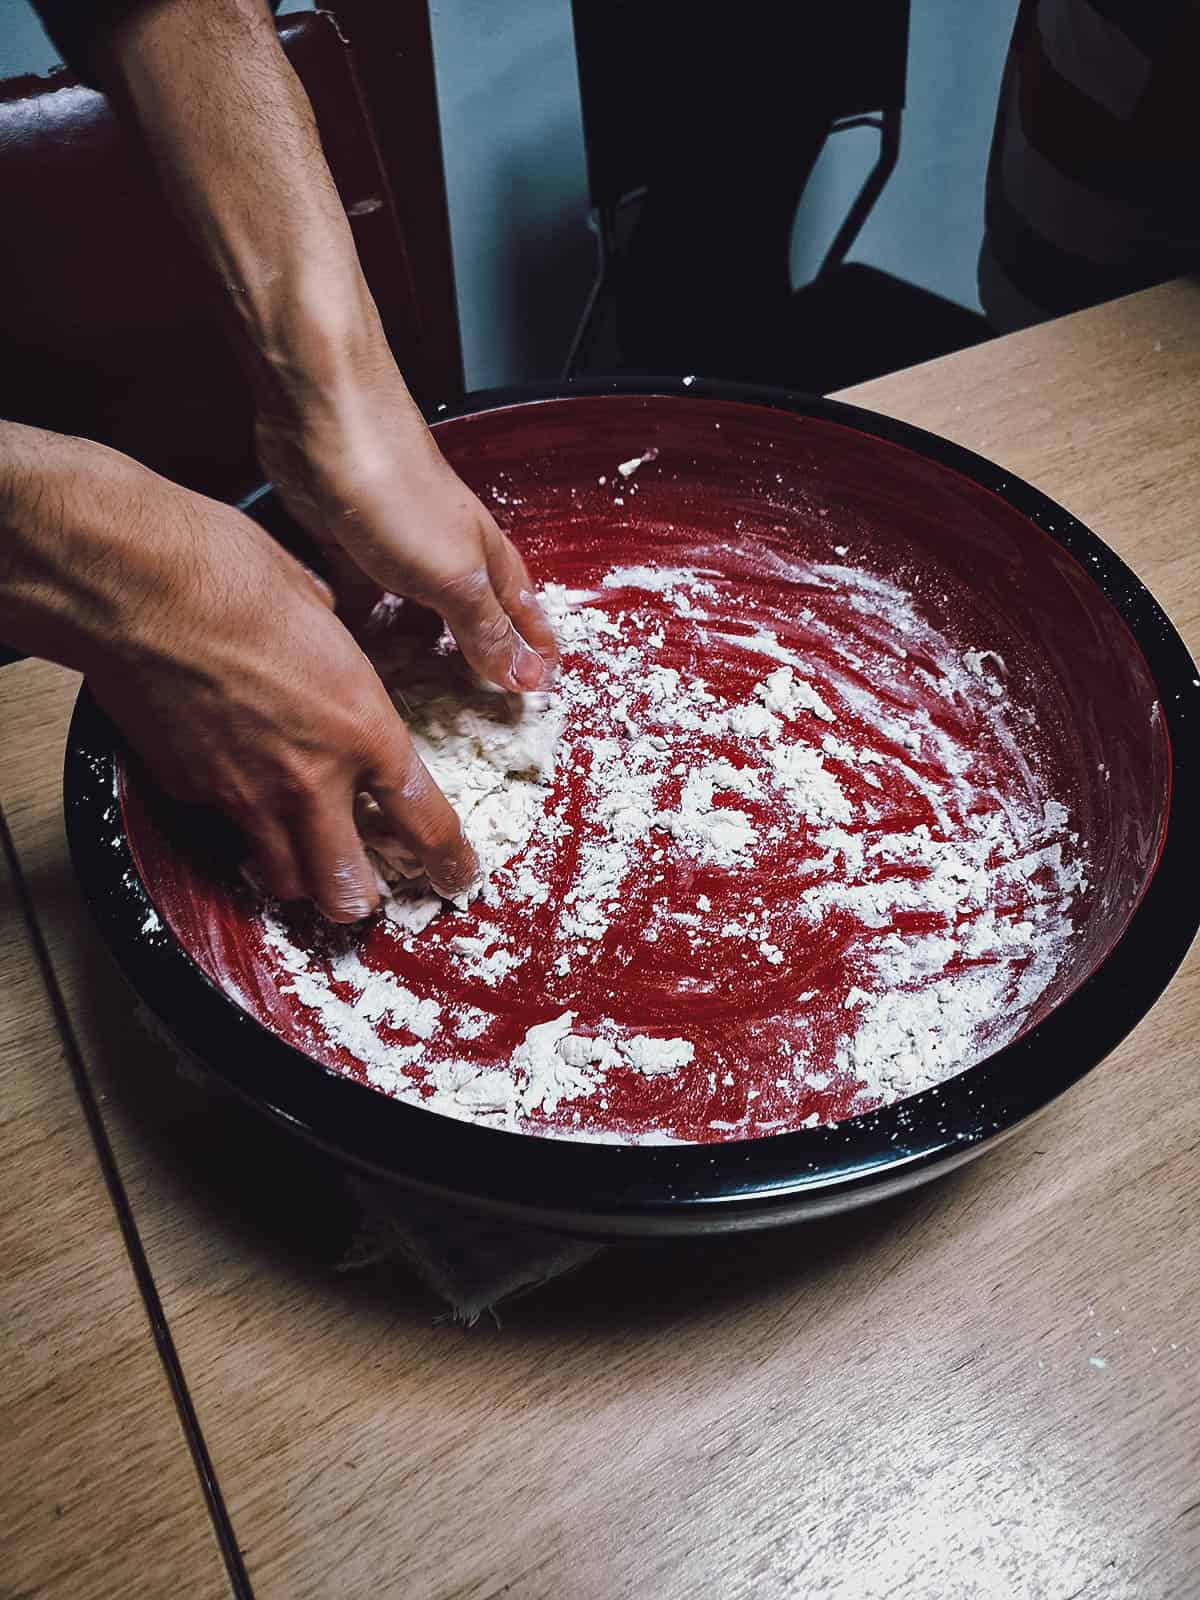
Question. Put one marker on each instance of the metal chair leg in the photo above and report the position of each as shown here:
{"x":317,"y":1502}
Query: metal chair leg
{"x":889,"y":152}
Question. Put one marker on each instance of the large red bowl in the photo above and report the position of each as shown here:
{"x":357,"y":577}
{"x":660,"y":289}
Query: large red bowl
{"x":1115,"y":695}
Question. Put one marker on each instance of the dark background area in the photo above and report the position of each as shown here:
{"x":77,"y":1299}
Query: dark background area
{"x":516,"y":172}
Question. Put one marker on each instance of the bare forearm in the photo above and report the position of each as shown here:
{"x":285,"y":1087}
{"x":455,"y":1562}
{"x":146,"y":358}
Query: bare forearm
{"x":83,"y":561}
{"x":233,"y":134}
{"x":337,"y":431}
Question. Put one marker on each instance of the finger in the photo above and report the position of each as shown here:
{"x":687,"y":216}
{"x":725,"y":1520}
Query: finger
{"x":485,"y":632}
{"x":417,"y":814}
{"x":397,"y":857}
{"x":515,"y":591}
{"x":338,"y":878}
{"x":272,"y":863}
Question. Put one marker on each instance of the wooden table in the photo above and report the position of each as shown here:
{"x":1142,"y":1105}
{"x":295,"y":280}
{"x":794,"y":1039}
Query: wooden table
{"x":985,"y":1388}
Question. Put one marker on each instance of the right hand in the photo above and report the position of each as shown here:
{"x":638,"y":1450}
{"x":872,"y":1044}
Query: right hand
{"x":351,"y":458}
{"x":220,"y":658}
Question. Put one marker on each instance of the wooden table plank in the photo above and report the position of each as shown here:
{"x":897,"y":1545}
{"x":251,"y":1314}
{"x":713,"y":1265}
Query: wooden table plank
{"x":99,"y":1497}
{"x":984,"y":1388}
{"x":1101,"y":411}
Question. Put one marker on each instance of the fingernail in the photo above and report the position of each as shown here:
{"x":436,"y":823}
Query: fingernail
{"x":358,"y":911}
{"x":460,"y":897}
{"x":528,"y":668}
{"x":457,"y":887}
{"x":349,"y":911}
{"x":352,"y":902}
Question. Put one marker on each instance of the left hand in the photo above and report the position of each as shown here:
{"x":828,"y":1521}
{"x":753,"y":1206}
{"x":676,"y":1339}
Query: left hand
{"x":356,"y":466}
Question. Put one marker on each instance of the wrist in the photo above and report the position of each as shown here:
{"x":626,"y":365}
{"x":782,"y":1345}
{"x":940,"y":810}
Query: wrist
{"x":310,"y":347}
{"x":94,"y":548}
{"x":335,"y":419}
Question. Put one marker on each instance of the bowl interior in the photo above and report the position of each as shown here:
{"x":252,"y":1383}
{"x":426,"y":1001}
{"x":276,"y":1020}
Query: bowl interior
{"x":743,"y":476}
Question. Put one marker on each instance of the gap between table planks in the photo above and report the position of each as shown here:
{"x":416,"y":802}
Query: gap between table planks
{"x":100,"y":1496}
{"x":905,"y":1402}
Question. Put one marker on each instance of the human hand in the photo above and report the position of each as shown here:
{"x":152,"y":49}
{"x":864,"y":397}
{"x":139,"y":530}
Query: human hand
{"x":357,"y":467}
{"x":221,"y":659}
{"x":247,"y":693}
{"x":230,"y":127}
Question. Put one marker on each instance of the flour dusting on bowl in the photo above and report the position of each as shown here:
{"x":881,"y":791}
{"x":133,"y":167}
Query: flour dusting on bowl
{"x":778,"y":850}
{"x":740,"y":901}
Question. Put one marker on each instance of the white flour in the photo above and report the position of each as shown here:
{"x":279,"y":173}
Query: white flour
{"x":926,"y":1003}
{"x":492,"y":755}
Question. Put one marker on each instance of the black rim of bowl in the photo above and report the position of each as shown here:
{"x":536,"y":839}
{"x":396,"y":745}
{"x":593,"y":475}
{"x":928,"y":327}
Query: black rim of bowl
{"x":619,"y":1190}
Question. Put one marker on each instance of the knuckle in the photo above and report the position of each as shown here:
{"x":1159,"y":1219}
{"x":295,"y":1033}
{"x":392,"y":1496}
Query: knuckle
{"x":298,"y":790}
{"x":468,"y":588}
{"x":239,"y":802}
{"x":387,"y":751}
{"x":495,"y":632}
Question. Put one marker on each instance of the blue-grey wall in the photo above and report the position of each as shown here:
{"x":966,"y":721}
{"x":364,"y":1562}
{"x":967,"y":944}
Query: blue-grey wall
{"x":513,"y":148}
{"x":23,"y":45}
{"x":515,"y":167}
{"x":928,"y":222}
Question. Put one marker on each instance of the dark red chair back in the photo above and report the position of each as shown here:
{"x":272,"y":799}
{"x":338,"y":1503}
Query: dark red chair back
{"x":109,"y":326}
